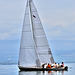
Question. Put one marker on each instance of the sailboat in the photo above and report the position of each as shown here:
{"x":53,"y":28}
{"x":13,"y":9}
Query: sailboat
{"x":34,"y":47}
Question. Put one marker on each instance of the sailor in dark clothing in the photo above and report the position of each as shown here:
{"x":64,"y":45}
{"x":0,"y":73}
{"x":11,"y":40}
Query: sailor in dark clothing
{"x":43,"y":65}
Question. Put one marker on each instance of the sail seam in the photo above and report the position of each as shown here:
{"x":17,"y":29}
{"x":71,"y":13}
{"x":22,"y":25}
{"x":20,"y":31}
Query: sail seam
{"x":37,"y":28}
{"x":26,"y":13}
{"x":42,"y":46}
{"x":43,"y":53}
{"x":34,"y":11}
{"x":27,"y":25}
{"x":26,"y":48}
{"x":26,"y":31}
{"x":37,"y":23}
{"x":39,"y":36}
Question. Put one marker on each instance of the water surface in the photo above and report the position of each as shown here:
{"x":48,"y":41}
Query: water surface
{"x":13,"y":70}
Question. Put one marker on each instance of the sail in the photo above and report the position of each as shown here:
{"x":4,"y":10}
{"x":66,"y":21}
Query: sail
{"x":27,"y":54}
{"x":34,"y":47}
{"x":42,"y":46}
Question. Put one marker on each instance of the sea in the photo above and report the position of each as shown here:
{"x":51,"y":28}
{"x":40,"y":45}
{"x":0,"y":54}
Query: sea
{"x":13,"y":70}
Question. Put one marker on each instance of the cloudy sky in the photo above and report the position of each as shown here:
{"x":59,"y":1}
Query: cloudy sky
{"x":58,"y":19}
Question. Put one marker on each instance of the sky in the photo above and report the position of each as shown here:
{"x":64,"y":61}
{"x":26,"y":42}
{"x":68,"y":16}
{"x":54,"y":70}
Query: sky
{"x":58,"y":20}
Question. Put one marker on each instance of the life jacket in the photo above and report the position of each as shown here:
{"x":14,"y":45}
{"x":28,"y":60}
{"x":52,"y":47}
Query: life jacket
{"x":49,"y":66}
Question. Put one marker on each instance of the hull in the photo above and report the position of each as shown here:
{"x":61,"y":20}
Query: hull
{"x":42,"y":69}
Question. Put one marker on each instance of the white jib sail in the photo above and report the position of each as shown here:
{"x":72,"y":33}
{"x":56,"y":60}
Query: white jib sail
{"x":42,"y":46}
{"x":27,"y":54}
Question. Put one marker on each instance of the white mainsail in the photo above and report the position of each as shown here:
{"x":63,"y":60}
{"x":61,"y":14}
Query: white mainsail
{"x":41,"y":42}
{"x":34,"y":48}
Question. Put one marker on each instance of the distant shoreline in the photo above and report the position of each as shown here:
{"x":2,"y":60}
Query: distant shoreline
{"x":17,"y":63}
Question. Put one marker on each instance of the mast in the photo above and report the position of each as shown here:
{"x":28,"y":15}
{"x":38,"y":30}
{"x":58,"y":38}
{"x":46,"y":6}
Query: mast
{"x":37,"y":60}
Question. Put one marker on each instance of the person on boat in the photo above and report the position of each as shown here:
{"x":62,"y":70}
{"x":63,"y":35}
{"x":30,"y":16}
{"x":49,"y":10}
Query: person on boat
{"x":43,"y":65}
{"x":48,"y":66}
{"x":58,"y":65}
{"x":62,"y":65}
{"x":55,"y":65}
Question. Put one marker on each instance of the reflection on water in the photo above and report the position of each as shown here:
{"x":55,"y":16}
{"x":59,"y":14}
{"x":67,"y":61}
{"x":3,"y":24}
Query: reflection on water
{"x":29,"y":73}
{"x":40,"y":72}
